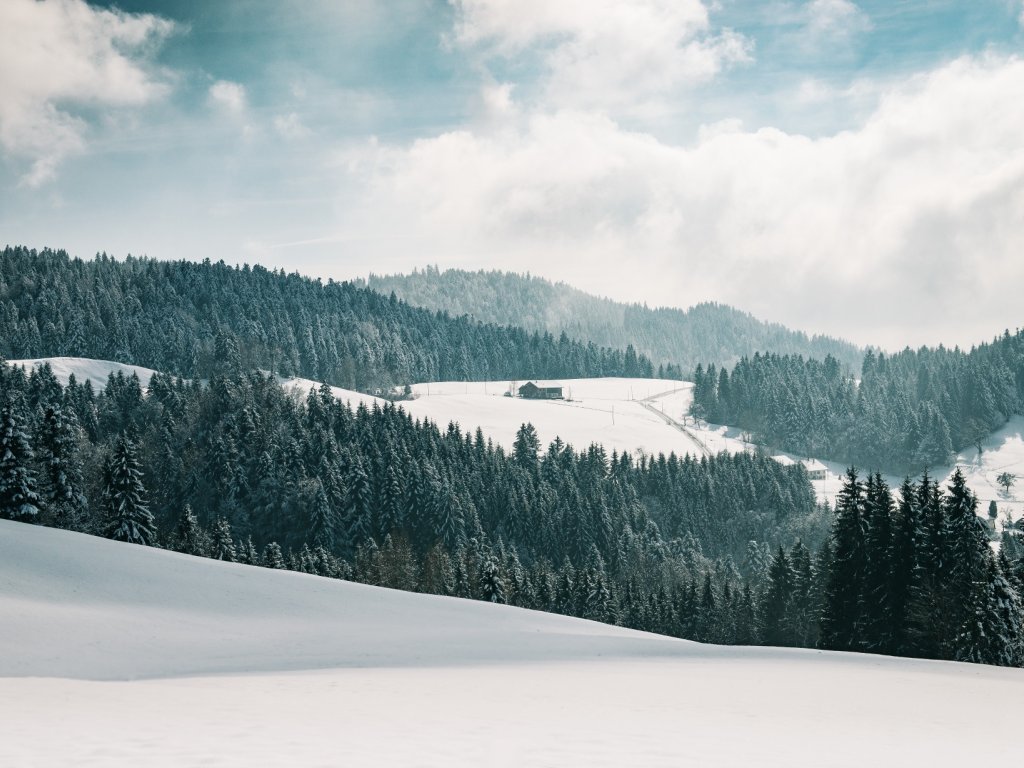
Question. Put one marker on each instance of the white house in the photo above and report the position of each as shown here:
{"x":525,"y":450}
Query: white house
{"x":815,"y":469}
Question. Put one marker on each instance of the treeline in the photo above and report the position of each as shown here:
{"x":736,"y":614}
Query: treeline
{"x":911,"y":410}
{"x":201,"y":319}
{"x":729,"y":549}
{"x":675,"y":339}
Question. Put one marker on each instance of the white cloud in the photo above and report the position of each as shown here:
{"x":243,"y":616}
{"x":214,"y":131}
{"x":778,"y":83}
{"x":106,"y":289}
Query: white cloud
{"x":290,"y":127}
{"x":229,"y":96}
{"x":835,"y":18}
{"x":603,"y":54}
{"x":59,"y":55}
{"x":907,"y":229}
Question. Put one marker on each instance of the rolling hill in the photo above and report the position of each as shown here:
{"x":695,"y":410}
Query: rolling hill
{"x":114,"y":655}
{"x":705,"y":333}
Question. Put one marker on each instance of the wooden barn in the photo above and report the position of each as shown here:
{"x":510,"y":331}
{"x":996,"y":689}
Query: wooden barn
{"x":531,"y":391}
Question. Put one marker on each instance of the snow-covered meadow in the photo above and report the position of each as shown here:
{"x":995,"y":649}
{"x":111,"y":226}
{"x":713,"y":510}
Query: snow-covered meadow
{"x":118,"y":655}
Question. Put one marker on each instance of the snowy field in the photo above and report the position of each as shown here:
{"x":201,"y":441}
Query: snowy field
{"x":607,"y":411}
{"x":636,"y":415}
{"x":117,"y":655}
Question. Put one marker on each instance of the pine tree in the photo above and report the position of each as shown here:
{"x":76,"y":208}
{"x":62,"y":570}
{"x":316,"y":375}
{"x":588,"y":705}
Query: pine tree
{"x":58,"y":452}
{"x":190,"y":537}
{"x":128,"y":516}
{"x":967,"y":566}
{"x":323,"y":524}
{"x":491,"y":583}
{"x":1002,"y":619}
{"x":223,"y":543}
{"x":877,"y":632}
{"x":903,"y":559}
{"x":931,"y":608}
{"x":776,"y":606}
{"x":273,"y":557}
{"x":358,"y":514}
{"x":843,"y":600}
{"x":18,"y":497}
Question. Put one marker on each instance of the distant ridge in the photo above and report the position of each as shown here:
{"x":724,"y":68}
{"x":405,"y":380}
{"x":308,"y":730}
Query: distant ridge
{"x":706,"y":333}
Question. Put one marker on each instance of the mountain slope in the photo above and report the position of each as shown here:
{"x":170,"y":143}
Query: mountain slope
{"x":200,"y":319}
{"x":407,"y":679}
{"x":706,"y":333}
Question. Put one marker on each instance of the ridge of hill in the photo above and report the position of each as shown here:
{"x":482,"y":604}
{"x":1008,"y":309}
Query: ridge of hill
{"x":705,"y":333}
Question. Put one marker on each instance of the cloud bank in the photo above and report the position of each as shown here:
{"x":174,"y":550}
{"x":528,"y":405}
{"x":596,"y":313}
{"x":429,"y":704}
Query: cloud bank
{"x":59,"y":56}
{"x":908,"y":228}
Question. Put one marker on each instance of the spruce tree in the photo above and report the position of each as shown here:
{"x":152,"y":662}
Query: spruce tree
{"x":776,"y":606}
{"x":842,"y":614}
{"x":190,"y":537}
{"x":491,"y":583}
{"x":18,"y":497}
{"x":128,"y":516}
{"x":877,"y":632}
{"x":223,"y":543}
{"x":58,"y":451}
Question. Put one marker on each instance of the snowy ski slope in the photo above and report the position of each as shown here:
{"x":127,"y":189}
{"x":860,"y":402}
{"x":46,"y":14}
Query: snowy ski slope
{"x":118,"y":655}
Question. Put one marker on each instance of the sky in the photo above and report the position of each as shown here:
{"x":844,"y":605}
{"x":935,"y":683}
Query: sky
{"x":854,"y":168}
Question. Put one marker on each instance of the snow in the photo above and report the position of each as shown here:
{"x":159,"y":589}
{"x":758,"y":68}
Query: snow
{"x":350,"y":396}
{"x":96,"y":371}
{"x":623,"y":414}
{"x":618,"y":413}
{"x":118,"y":655}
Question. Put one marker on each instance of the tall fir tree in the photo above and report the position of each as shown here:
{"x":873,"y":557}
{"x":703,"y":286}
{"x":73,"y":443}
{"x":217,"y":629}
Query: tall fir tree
{"x":18,"y":497}
{"x":128,"y":516}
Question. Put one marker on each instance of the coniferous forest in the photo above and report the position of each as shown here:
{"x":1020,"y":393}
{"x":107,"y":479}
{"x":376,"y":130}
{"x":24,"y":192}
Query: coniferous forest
{"x":192,"y":319}
{"x":908,"y":411}
{"x":670,"y":337}
{"x":729,"y":549}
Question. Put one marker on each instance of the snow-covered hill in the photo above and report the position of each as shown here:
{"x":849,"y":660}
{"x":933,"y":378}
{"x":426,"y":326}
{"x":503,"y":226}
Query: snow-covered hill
{"x":620,"y":413}
{"x":118,"y":655}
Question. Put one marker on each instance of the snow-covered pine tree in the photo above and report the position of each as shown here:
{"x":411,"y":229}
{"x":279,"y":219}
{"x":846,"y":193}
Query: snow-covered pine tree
{"x":1003,"y":618}
{"x":491,"y":583}
{"x":877,"y":631}
{"x":843,"y":599}
{"x":966,"y":569}
{"x":223,"y":543}
{"x":323,"y":524}
{"x":775,"y":608}
{"x":273,"y":557}
{"x":59,"y":435}
{"x":358,"y":512}
{"x":190,"y":537}
{"x":128,"y":517}
{"x":18,"y":497}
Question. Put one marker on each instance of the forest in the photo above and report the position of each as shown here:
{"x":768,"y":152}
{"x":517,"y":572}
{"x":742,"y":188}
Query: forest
{"x":193,"y":319}
{"x":908,"y":411}
{"x":670,"y":337}
{"x":726,"y":549}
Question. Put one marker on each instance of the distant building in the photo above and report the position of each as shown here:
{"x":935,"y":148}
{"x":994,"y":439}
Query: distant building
{"x":531,"y":391}
{"x":815,"y":469}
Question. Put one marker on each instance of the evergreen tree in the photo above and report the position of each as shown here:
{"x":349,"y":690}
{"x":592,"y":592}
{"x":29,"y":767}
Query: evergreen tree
{"x":776,"y":606}
{"x":190,"y":537}
{"x":878,"y":632}
{"x":18,"y":497}
{"x":58,"y":452}
{"x":128,"y":516}
{"x":491,"y":582}
{"x":842,"y":614}
{"x":223,"y":543}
